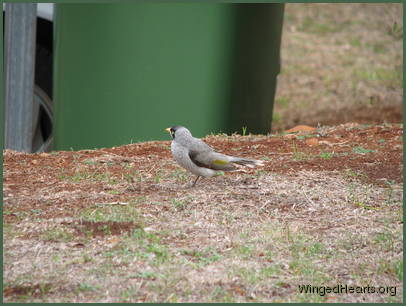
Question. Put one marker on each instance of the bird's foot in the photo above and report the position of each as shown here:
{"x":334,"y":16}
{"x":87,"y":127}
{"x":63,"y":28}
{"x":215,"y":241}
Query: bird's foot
{"x":195,"y":182}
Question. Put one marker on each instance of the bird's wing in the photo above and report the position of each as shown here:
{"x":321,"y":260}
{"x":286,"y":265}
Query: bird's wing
{"x":211,"y":160}
{"x":199,"y":145}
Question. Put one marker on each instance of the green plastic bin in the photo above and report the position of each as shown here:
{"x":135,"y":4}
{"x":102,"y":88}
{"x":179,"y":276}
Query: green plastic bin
{"x":124,"y":72}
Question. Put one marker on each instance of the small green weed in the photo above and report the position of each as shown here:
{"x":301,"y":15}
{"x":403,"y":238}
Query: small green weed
{"x":158,"y":176}
{"x":361,"y":150}
{"x":148,"y":275}
{"x":396,"y":30}
{"x":202,"y":257}
{"x":326,"y":155}
{"x":83,"y":287}
{"x":244,"y":131}
{"x":179,"y":204}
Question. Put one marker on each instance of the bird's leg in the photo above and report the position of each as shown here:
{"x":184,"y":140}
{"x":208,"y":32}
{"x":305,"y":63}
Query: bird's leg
{"x":195,"y":181}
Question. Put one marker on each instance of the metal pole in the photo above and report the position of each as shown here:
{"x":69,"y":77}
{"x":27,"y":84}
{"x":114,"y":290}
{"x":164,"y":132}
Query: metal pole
{"x":20,"y":36}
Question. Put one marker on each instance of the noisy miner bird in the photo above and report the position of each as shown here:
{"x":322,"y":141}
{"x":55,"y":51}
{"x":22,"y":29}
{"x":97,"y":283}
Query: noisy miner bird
{"x":199,"y":158}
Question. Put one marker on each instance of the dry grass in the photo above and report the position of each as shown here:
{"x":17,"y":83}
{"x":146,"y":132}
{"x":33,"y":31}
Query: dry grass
{"x":340,"y":63}
{"x":240,"y":238}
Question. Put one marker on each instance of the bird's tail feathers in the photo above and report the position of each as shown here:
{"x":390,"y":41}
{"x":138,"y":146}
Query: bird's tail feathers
{"x":251,"y":163}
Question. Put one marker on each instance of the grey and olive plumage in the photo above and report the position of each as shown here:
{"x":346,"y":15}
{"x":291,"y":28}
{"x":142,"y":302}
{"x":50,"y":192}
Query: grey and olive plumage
{"x":199,"y":158}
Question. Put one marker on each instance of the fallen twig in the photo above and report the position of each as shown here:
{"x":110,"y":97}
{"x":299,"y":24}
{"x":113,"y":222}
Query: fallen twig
{"x":112,"y":203}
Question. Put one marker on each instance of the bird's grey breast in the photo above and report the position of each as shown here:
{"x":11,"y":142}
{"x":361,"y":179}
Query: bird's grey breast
{"x":180,"y":153}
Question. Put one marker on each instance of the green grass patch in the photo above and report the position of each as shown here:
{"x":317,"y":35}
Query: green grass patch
{"x":326,"y":155}
{"x":202,"y":257}
{"x":311,"y":25}
{"x":394,"y":268}
{"x":180,"y":175}
{"x":57,"y":235}
{"x":385,"y":76}
{"x":115,"y":213}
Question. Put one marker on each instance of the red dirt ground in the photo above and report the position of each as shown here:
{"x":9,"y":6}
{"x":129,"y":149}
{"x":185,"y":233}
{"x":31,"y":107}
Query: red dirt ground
{"x":42,"y":183}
